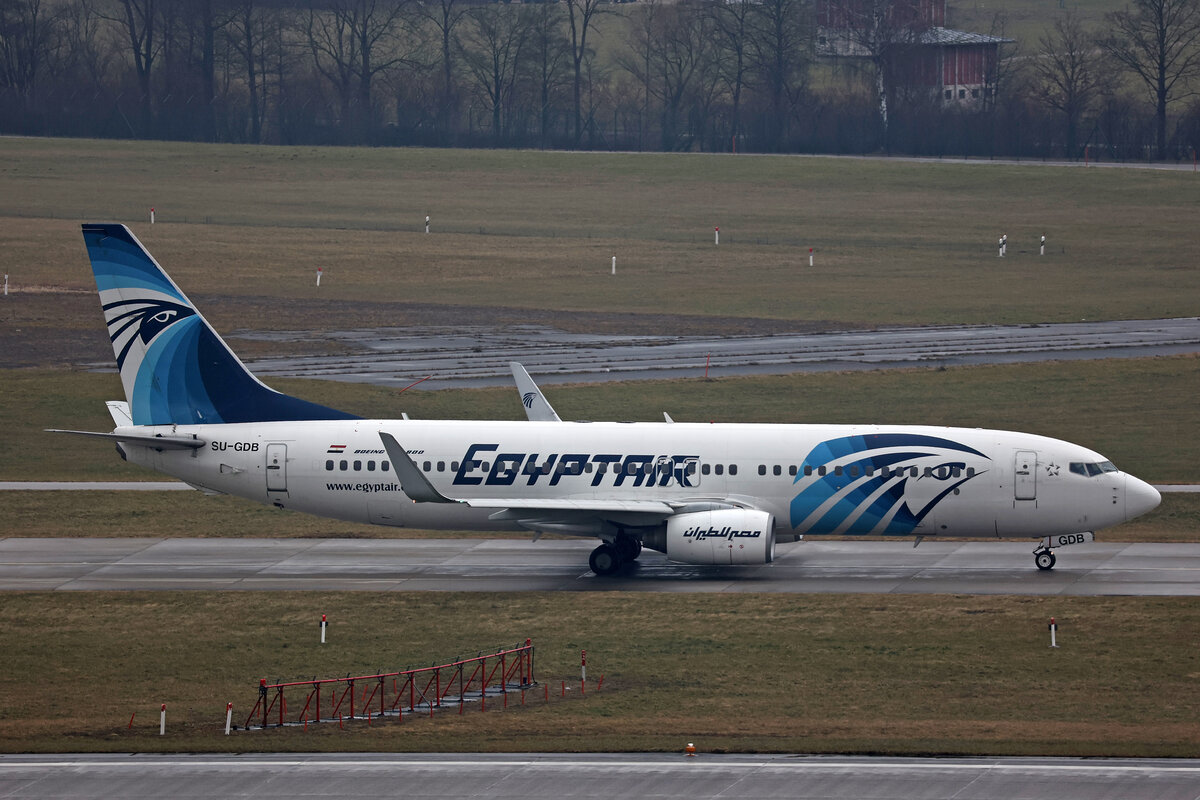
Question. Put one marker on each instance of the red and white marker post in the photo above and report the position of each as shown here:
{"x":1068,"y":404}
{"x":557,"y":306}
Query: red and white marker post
{"x":318,"y":276}
{"x":716,"y":235}
{"x":151,"y":216}
{"x":162,"y":721}
{"x":1053,"y":633}
{"x":324,"y":622}
{"x":810,"y":256}
{"x":229,"y":717}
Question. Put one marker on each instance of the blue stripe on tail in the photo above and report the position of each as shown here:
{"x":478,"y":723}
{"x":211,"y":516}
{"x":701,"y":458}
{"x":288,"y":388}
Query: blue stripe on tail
{"x":175,"y":368}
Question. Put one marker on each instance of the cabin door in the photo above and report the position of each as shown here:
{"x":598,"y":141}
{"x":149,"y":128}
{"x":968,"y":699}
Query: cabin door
{"x":1025,"y":475}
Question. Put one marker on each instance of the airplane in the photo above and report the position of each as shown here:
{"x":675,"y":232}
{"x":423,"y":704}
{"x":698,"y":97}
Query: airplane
{"x":702,"y":493}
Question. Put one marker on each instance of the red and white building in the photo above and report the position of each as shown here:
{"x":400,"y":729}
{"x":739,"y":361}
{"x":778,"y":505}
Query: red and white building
{"x":954,"y":66}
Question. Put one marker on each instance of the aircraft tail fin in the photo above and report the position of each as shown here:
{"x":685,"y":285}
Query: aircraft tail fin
{"x":174,"y":366}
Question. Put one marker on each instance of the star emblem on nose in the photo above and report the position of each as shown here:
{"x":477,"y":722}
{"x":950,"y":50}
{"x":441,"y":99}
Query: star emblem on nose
{"x":1052,"y":469}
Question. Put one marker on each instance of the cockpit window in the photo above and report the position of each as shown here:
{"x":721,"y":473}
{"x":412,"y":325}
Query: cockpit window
{"x":1091,"y":470}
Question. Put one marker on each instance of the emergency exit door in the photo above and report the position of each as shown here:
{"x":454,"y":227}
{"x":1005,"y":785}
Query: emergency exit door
{"x":277,"y":468}
{"x":1025,"y":475}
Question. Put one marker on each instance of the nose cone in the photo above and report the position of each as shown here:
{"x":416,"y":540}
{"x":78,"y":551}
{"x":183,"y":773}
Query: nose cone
{"x":1140,"y":497}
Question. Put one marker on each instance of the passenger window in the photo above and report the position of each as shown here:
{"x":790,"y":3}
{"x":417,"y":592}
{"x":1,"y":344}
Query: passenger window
{"x":384,"y":466}
{"x":777,"y":470}
{"x":329,"y":466}
{"x":807,"y":470}
{"x":345,"y":465}
{"x":370,"y":466}
{"x":928,"y":472}
{"x":792,"y":470}
{"x":762,"y":469}
{"x":913,"y":472}
{"x":705,"y":469}
{"x":720,"y":468}
{"x":853,"y":471}
{"x":733,"y":469}
{"x":837,"y":470}
{"x":869,"y":472}
{"x":970,"y":472}
{"x":441,"y":466}
{"x":956,"y":472}
{"x":454,"y":466}
{"x":821,"y":470}
{"x":358,"y":466}
{"x":426,"y":466}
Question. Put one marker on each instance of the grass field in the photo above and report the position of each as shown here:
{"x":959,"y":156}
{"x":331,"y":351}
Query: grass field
{"x":827,"y":673}
{"x":896,"y":242}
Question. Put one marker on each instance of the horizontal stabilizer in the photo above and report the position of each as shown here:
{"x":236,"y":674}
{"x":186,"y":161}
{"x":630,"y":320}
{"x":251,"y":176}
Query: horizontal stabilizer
{"x":145,"y":440}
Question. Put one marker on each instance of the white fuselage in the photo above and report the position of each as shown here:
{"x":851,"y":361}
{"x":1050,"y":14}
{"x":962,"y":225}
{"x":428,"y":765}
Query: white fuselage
{"x":814,"y":479}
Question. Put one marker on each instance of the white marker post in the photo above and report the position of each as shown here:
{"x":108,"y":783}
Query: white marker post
{"x":583,"y":665}
{"x":228,"y":717}
{"x":614,"y":266}
{"x":1053,"y":633}
{"x":1004,"y":245}
{"x":716,"y":235}
{"x":427,"y":223}
{"x":6,"y":284}
{"x":162,"y":721}
{"x":151,"y":216}
{"x":1042,"y":252}
{"x":810,"y":256}
{"x":1000,"y":247}
{"x":323,"y":624}
{"x":318,"y":276}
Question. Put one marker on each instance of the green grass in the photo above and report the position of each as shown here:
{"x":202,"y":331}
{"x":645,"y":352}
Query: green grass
{"x":856,"y":674}
{"x":896,"y":243}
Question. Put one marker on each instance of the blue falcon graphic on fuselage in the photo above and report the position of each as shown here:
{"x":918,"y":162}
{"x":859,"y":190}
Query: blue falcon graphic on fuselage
{"x":862,"y":484}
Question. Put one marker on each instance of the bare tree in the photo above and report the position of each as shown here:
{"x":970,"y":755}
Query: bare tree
{"x":639,"y":59}
{"x":1069,"y":72}
{"x":781,"y":47}
{"x":1159,"y":42}
{"x":547,"y":55}
{"x":492,"y":49}
{"x":580,"y":15}
{"x":882,"y":31}
{"x":27,"y":40}
{"x":445,"y":15}
{"x":138,"y":21}
{"x":351,"y":45}
{"x":732,"y":31}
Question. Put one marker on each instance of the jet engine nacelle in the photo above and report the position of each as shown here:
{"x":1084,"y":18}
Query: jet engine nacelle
{"x":726,"y":536}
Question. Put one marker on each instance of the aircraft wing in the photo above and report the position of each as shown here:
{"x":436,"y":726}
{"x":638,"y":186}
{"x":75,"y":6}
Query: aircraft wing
{"x":145,"y":440}
{"x":537,"y":407}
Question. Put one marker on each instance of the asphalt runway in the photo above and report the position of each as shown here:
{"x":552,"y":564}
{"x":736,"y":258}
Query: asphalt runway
{"x":527,"y":776}
{"x":478,"y":356}
{"x":510,"y":565}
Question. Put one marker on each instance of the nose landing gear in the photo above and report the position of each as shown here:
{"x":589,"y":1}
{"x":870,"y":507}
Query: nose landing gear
{"x":1044,"y":558}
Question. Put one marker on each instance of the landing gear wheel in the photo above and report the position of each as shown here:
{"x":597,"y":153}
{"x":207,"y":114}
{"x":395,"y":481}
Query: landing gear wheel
{"x":628,"y":548}
{"x":605,"y":560}
{"x":1044,"y":559}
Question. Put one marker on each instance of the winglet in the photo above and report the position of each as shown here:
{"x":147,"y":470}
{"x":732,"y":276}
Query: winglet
{"x":412,"y":480}
{"x":537,"y":407}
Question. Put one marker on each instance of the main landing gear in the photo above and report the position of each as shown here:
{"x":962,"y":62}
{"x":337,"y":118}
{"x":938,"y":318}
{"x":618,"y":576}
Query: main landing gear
{"x":1044,"y":558}
{"x":610,"y":557}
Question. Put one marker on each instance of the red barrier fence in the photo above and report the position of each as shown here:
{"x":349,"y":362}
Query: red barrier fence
{"x":368,"y":697}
